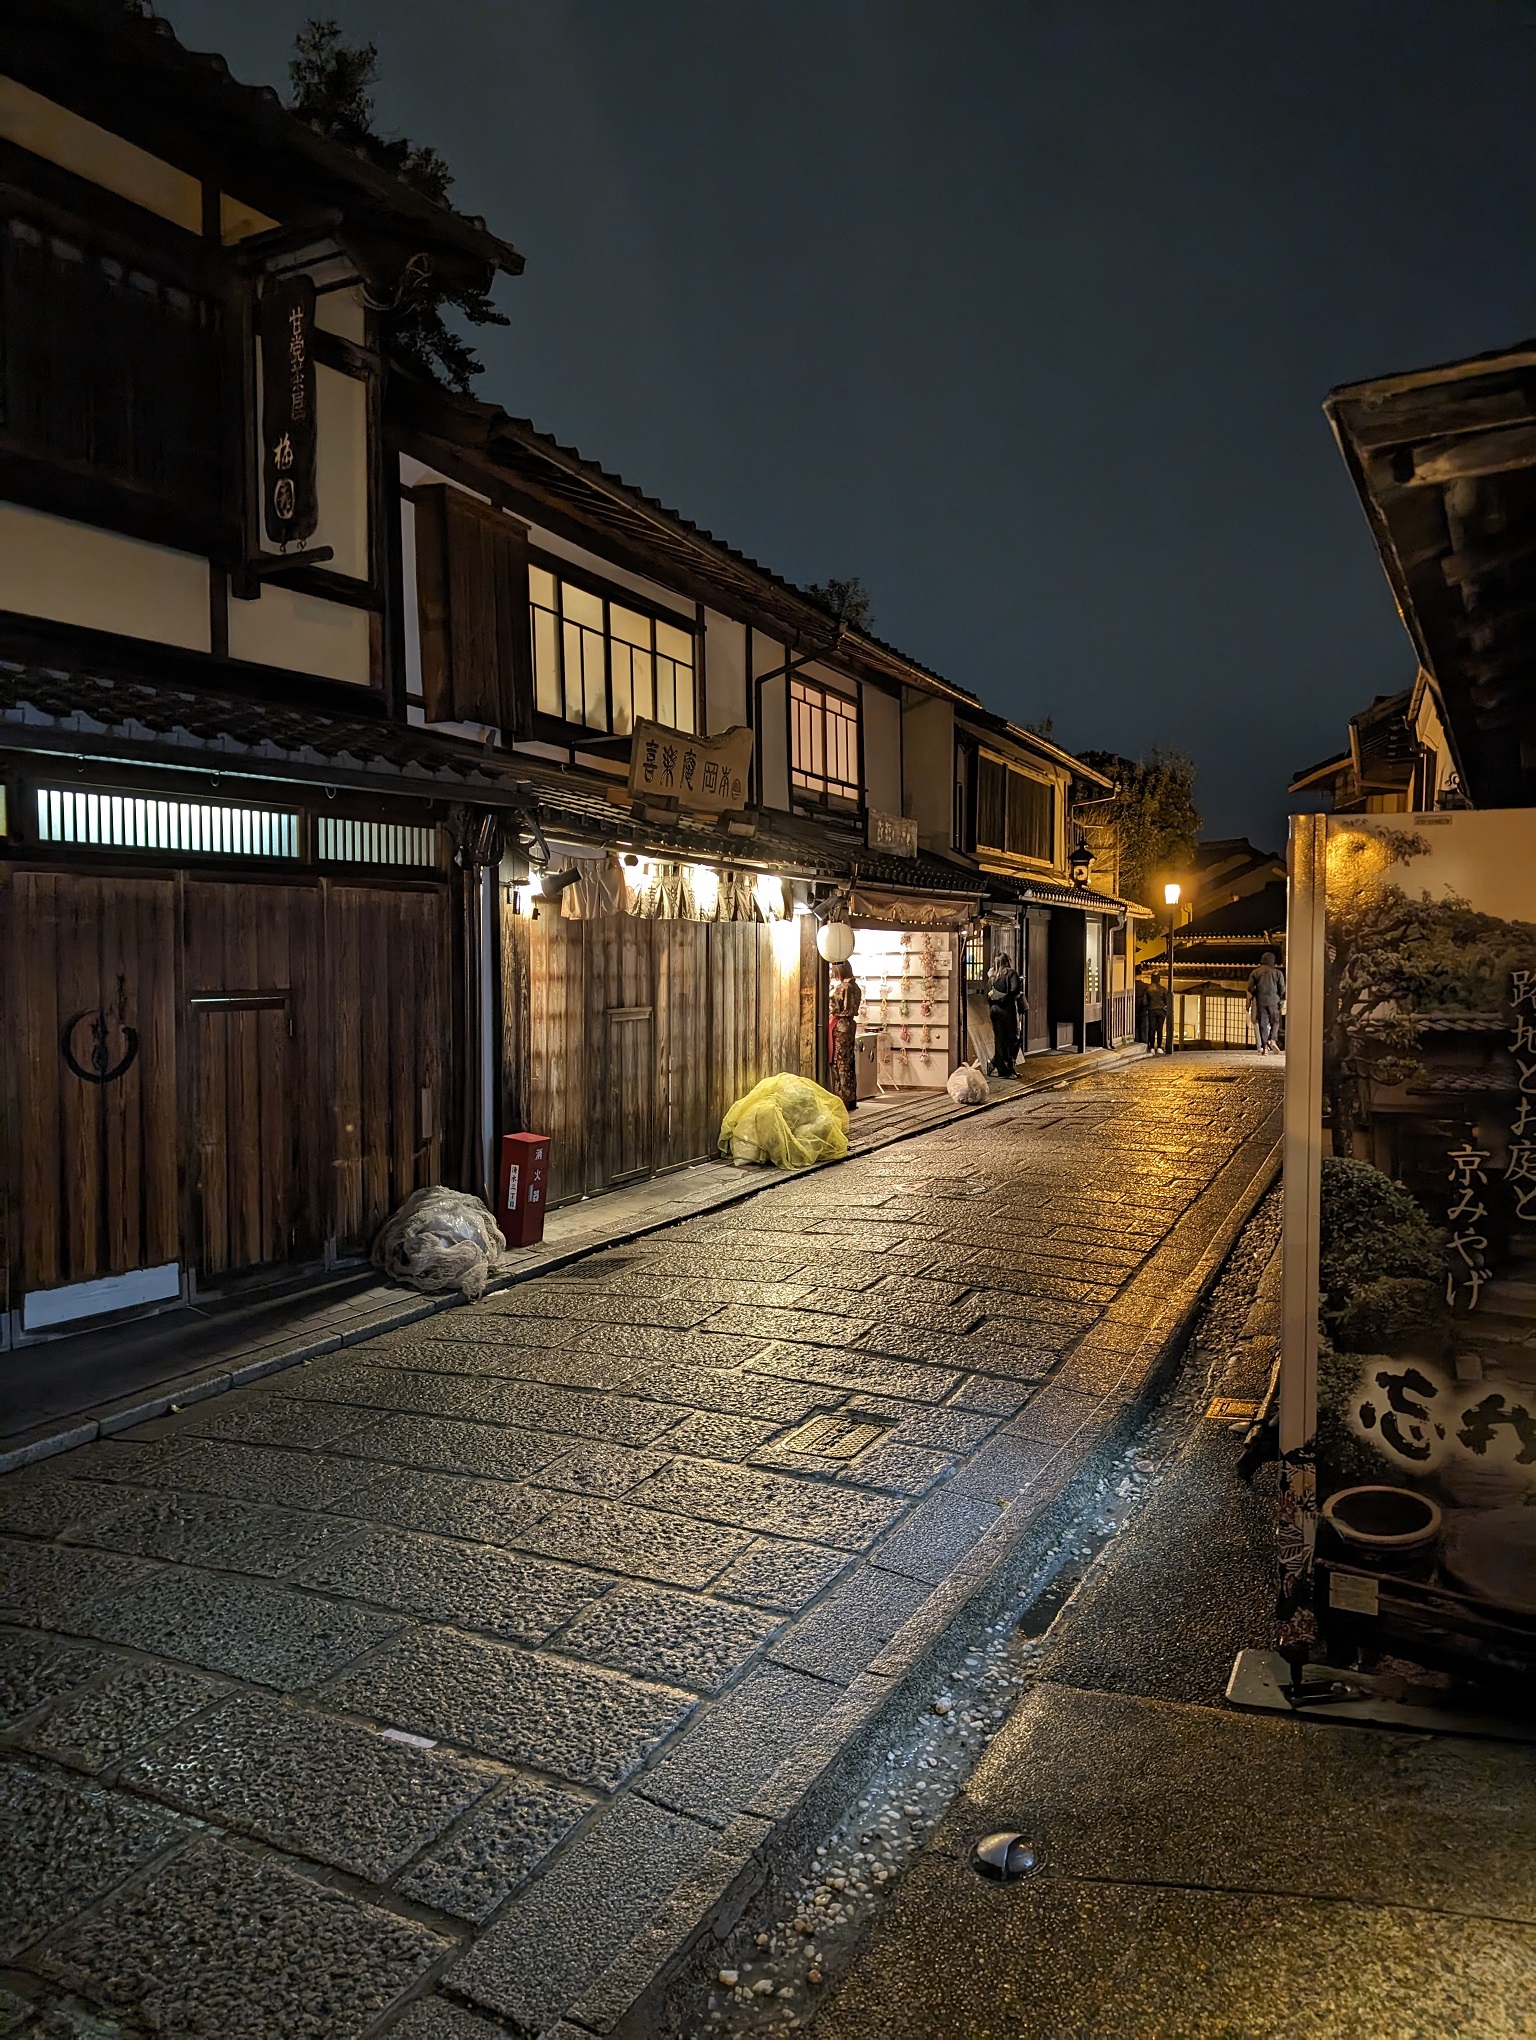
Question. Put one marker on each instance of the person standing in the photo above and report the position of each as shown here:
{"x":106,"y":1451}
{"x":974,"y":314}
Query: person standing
{"x":1266,"y":997}
{"x":1005,"y":995}
{"x":844,"y":998}
{"x":1157,"y":1016}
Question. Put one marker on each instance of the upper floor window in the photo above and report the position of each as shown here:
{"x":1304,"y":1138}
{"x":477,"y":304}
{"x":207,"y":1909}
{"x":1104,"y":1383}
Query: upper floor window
{"x":599,"y":663}
{"x":1015,"y":811}
{"x":108,"y":370}
{"x":824,"y":741}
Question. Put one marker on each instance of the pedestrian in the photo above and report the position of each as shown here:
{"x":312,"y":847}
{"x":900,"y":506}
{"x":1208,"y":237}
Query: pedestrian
{"x":1157,"y":1016}
{"x":1005,"y":997}
{"x":1266,"y":998}
{"x":844,"y":999}
{"x":1143,"y":1011}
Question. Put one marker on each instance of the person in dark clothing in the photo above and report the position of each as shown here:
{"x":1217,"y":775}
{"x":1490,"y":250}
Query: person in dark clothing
{"x":1266,"y":998}
{"x":1005,"y":996}
{"x":1156,"y":1036}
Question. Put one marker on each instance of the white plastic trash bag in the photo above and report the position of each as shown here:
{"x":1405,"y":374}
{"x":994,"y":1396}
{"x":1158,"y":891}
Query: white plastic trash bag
{"x":967,"y":1086}
{"x":441,"y":1239}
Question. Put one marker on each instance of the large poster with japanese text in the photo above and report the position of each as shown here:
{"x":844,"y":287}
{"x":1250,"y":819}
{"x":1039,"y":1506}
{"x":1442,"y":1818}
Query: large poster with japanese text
{"x":1426,"y":1196}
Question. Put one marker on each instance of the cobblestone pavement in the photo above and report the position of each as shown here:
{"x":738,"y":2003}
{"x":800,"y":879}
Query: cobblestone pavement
{"x":441,"y":1687}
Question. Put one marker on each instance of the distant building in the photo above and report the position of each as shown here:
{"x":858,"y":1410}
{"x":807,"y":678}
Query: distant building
{"x":1232,"y":912}
{"x":1399,"y":759}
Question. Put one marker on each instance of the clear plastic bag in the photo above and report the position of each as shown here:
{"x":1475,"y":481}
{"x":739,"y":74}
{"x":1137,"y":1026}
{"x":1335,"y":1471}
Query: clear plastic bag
{"x":441,"y":1239}
{"x":967,"y":1085}
{"x":787,"y":1121}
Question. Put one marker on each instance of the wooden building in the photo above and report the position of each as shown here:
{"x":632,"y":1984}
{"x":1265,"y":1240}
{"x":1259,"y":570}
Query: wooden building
{"x":232,"y":977}
{"x":1232,"y":912}
{"x":377,"y":775}
{"x":1399,"y":759}
{"x":581,"y":629}
{"x":1445,"y":462}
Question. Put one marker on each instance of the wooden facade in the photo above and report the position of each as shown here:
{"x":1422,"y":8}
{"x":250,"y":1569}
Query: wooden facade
{"x":633,"y":1036}
{"x":229,"y":1075}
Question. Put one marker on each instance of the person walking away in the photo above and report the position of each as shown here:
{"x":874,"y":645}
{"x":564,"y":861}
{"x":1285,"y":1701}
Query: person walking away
{"x":1266,"y":996}
{"x":1143,"y":1011}
{"x":1157,"y":1017}
{"x":844,"y":999}
{"x":1005,"y":995}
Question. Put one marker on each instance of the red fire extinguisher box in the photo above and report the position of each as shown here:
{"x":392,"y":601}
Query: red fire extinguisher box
{"x":524,"y":1184}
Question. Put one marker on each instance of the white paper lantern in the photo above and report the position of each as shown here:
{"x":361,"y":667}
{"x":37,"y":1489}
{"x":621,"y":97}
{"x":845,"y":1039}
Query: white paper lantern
{"x":834,"y":941}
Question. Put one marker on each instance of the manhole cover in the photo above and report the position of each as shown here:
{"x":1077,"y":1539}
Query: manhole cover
{"x":836,"y":1437}
{"x":603,"y":1264}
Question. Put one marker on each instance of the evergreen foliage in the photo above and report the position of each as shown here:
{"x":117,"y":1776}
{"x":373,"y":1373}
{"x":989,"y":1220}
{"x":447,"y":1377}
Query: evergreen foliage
{"x":332,"y":89}
{"x":849,"y":601}
{"x":1152,"y":817}
{"x":1381,"y":1263}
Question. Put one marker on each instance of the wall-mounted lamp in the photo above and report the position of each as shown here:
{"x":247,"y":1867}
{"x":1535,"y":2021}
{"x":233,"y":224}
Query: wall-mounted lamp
{"x":1080,"y":863}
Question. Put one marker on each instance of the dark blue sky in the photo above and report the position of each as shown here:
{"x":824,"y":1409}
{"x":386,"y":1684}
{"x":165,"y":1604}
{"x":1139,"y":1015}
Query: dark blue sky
{"x":1021,"y":311}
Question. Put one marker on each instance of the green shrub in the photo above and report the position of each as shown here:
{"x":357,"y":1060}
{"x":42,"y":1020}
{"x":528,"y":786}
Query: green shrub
{"x":1381,"y":1264}
{"x":1343,"y":1458}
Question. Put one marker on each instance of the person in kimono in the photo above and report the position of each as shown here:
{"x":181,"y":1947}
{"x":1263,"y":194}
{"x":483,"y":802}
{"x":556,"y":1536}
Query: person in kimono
{"x":843,"y":1002}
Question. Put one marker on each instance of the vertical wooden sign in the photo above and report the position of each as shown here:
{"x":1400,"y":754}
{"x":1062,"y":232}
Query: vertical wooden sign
{"x":290,"y":509}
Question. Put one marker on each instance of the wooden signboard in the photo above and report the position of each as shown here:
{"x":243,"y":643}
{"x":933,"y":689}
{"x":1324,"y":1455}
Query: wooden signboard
{"x":896,"y":834}
{"x":706,"y":774}
{"x":290,"y":507}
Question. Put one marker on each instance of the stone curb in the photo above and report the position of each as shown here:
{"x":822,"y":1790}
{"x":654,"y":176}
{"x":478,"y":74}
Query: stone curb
{"x":198,"y":1386}
{"x":629,"y":2001}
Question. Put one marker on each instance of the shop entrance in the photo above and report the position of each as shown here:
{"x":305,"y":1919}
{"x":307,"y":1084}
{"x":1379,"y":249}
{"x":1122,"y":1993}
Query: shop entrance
{"x":911,"y":984}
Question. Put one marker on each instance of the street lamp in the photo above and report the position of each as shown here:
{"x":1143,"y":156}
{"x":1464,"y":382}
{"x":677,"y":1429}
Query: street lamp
{"x":1171,"y":893}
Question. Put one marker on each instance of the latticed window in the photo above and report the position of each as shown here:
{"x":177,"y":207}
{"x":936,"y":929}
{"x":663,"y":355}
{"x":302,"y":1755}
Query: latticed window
{"x":1015,"y":811}
{"x":824,"y":741}
{"x":107,"y":369}
{"x":605,"y":666}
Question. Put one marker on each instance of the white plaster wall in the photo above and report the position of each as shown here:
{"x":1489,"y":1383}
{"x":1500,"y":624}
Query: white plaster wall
{"x":342,"y":312}
{"x":881,"y":715}
{"x":928,"y":753}
{"x":773,"y":741}
{"x":100,"y":580}
{"x":302,"y":634}
{"x":62,"y":137}
{"x":725,"y":673}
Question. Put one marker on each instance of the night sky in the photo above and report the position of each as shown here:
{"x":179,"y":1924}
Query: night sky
{"x":1022,"y":312}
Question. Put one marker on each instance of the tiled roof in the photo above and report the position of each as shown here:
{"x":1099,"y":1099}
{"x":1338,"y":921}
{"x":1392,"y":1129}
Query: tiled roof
{"x":141,"y":723}
{"x":126,"y":69}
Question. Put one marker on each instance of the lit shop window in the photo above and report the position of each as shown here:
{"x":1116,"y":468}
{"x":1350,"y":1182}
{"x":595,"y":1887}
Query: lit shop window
{"x":824,"y":741}
{"x":1015,"y":812}
{"x":603,"y":665}
{"x":341,"y":840}
{"x":130,"y":821}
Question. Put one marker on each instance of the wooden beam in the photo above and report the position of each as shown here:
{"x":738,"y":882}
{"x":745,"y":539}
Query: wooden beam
{"x":1479,"y":453}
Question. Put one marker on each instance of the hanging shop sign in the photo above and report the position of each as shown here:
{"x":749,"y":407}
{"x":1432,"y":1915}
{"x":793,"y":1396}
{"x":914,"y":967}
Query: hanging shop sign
{"x":895,"y":834}
{"x":290,"y":507}
{"x":708,"y":774}
{"x":904,"y":910}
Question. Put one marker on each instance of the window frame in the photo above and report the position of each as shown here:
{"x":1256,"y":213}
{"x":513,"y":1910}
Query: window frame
{"x":805,"y":784}
{"x":1052,"y":785}
{"x":58,"y":204}
{"x":586,"y":735}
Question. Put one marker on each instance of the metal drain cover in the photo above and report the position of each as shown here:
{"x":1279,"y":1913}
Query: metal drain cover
{"x":836,"y":1437}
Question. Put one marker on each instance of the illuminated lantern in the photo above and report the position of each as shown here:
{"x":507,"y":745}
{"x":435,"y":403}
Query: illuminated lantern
{"x":834,"y":941}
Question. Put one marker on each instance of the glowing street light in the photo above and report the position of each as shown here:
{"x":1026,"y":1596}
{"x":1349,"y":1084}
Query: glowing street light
{"x":1171,"y":892}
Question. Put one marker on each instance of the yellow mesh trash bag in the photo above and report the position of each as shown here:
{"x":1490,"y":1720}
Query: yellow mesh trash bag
{"x":788,"y":1121}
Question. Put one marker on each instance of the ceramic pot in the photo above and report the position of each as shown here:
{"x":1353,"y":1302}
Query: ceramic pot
{"x":1390,"y":1529}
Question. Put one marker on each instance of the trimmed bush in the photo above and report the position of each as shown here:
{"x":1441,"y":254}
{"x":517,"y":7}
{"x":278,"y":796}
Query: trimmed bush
{"x":1381,"y":1268}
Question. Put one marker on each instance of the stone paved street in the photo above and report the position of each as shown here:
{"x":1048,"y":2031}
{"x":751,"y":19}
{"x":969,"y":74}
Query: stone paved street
{"x":440,"y":1687}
